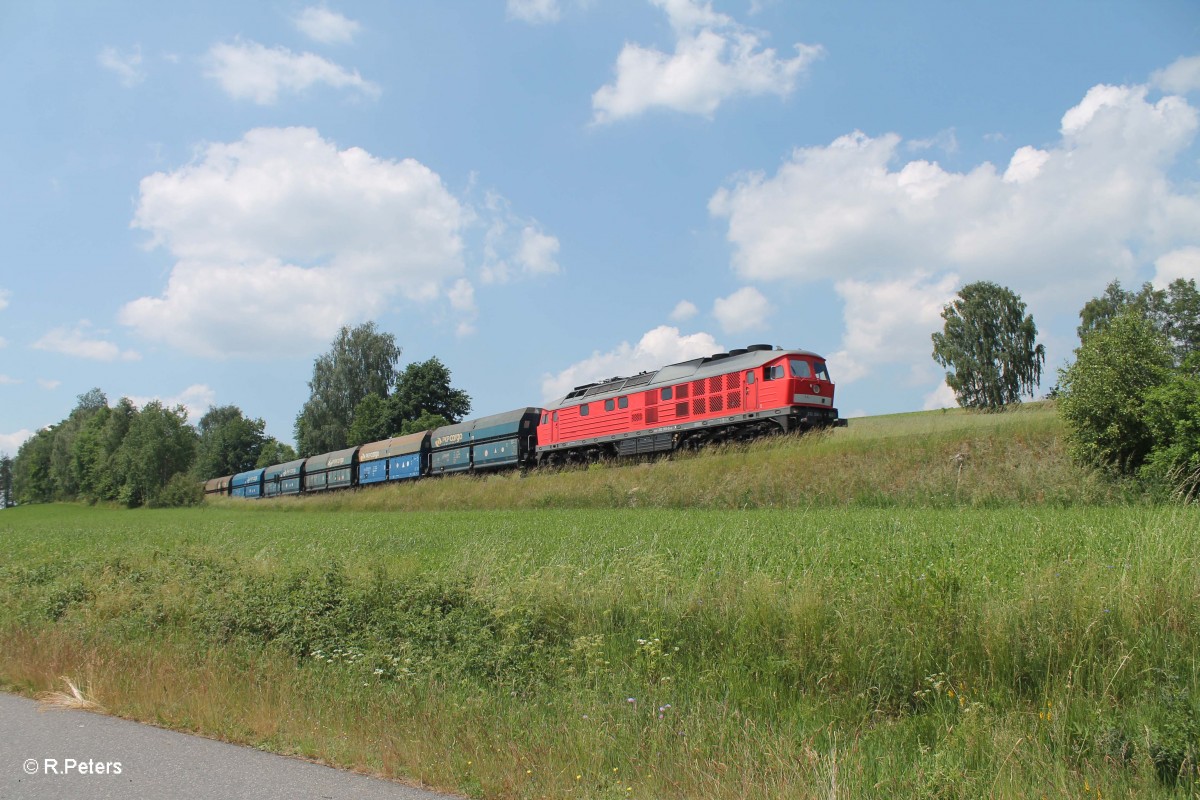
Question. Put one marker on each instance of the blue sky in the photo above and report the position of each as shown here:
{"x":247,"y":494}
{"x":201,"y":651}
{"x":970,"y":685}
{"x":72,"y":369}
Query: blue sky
{"x":546,"y":192}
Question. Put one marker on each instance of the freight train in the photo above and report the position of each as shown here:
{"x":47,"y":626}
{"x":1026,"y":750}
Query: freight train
{"x":734,"y":396}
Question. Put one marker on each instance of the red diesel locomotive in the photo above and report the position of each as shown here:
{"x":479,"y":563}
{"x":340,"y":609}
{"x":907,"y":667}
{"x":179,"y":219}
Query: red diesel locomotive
{"x":736,"y":395}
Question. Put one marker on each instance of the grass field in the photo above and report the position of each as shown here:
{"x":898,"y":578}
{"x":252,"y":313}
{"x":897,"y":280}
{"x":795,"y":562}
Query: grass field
{"x":983,"y":621}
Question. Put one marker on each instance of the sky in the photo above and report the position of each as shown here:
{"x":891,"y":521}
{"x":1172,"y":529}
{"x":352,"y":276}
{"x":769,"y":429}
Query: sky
{"x":542,"y":193}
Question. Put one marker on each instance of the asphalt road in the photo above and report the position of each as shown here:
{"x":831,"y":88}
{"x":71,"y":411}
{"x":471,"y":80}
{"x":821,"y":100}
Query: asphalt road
{"x":99,"y":757}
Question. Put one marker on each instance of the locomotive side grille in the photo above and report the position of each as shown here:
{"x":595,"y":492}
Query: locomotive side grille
{"x":681,"y":391}
{"x":651,"y":416}
{"x":733,"y":380}
{"x":651,"y":398}
{"x":714,"y":384}
{"x":734,"y":400}
{"x":715,"y":403}
{"x":698,"y":387}
{"x":681,"y":409}
{"x":637,"y":416}
{"x":698,"y":405}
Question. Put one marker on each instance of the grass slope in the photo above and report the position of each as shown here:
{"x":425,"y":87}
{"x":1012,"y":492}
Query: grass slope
{"x":939,"y":459}
{"x":939,"y":634}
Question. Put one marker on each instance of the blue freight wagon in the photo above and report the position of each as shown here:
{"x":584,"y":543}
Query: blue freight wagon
{"x":247,"y":484}
{"x":395,"y":459}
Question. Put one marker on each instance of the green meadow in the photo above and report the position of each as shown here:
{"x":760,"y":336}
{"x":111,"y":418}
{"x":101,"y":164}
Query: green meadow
{"x":926,"y":605}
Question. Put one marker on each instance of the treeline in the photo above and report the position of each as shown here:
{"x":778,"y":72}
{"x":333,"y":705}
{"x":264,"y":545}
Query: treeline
{"x":152,"y":456}
{"x":147,"y":456}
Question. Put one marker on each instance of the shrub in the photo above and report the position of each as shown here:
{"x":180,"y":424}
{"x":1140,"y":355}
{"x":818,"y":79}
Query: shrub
{"x":1104,"y":393}
{"x":1173,"y":416}
{"x":179,"y":491}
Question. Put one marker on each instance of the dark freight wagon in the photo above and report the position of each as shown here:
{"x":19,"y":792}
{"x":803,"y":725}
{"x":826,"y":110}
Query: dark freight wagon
{"x":501,"y":440}
{"x":283,"y":479}
{"x":337,"y":470}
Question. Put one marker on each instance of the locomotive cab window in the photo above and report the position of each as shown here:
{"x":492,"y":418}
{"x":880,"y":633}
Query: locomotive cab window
{"x":820,"y":371}
{"x":622,"y":402}
{"x":583,"y":410}
{"x":545,"y":418}
{"x":800,"y":368}
{"x":773,"y":373}
{"x":609,"y":405}
{"x":666,"y":393}
{"x":750,"y":376}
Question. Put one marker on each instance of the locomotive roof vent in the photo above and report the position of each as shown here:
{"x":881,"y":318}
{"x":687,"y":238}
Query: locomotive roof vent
{"x":738,"y":351}
{"x":759,"y":347}
{"x":718,"y":356}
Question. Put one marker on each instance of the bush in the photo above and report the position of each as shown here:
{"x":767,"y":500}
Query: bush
{"x":1173,"y":416}
{"x":1104,"y":394}
{"x":179,"y":491}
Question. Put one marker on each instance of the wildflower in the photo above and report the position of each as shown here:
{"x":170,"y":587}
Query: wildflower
{"x":577,"y":777}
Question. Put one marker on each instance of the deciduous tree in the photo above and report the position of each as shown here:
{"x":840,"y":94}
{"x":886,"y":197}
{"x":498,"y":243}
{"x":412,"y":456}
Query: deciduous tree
{"x":990,"y":345}
{"x":423,"y":389}
{"x":360,"y":361}
{"x":229,"y":442}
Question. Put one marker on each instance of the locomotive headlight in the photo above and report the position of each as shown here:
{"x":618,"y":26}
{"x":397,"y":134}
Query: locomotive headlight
{"x":816,"y":388}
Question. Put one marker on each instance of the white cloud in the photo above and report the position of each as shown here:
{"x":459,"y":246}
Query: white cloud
{"x":10,"y":443}
{"x":715,"y":58}
{"x":744,"y":310}
{"x":249,"y":70}
{"x":127,"y":66}
{"x":196,"y":399}
{"x":1183,"y":263}
{"x":83,"y":342}
{"x":462,"y":295}
{"x":537,"y":252}
{"x":280,"y":238}
{"x":49,"y":384}
{"x":535,"y":12}
{"x":889,"y":322}
{"x":684,"y":311}
{"x":657,"y":348}
{"x":1055,"y":224}
{"x":1094,"y":203}
{"x":462,"y":299}
{"x":6,"y":380}
{"x":1181,"y":77}
{"x":941,"y":397}
{"x":513,"y":245}
{"x":328,"y":27}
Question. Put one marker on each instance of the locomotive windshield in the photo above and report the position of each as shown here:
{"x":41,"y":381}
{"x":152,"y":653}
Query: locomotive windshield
{"x":800,"y":368}
{"x":822,"y":373}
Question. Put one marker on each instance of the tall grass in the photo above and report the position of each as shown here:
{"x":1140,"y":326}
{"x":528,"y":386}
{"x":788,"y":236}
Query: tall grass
{"x":925,"y":460}
{"x":839,"y":652}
